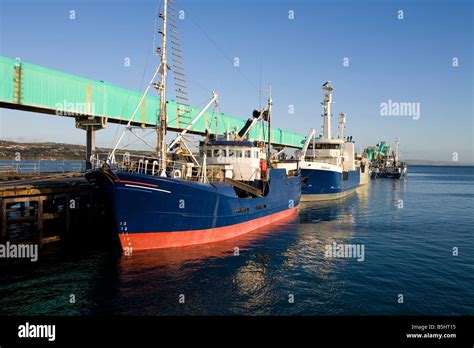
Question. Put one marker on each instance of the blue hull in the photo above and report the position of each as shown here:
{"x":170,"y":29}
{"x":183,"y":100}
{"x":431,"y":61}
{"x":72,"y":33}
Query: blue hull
{"x":386,"y":175}
{"x":329,"y":184}
{"x":144,"y":204}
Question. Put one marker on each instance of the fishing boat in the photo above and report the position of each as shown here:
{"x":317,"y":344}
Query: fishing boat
{"x":328,"y":166}
{"x":385,"y":163}
{"x":178,"y":198}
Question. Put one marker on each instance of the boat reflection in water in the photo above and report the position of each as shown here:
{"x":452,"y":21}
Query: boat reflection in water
{"x":229,"y":277}
{"x":284,"y":260}
{"x":176,"y":257}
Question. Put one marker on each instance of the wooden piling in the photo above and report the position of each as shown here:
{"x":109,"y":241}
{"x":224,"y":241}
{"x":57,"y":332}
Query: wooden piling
{"x":41,"y":199}
{"x":4,"y":218}
{"x":40,"y":222}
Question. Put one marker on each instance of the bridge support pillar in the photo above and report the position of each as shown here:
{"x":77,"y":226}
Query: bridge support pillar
{"x":90,"y":125}
{"x":90,"y":146}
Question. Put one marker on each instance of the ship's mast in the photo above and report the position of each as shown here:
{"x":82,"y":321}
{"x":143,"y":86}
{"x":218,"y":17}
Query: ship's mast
{"x":342,"y":125}
{"x":397,"y":142}
{"x":327,"y":101}
{"x":269,"y":121}
{"x":161,"y":122}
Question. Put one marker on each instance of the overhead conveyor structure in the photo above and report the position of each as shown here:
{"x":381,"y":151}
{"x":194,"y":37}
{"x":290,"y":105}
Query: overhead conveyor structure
{"x":30,"y":87}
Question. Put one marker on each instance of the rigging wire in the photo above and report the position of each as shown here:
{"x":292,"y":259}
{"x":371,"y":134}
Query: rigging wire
{"x":136,"y":139}
{"x":143,"y":74}
{"x":208,"y":37}
{"x":128,"y":97}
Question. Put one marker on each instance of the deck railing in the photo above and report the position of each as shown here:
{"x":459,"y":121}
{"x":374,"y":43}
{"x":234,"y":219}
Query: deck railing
{"x":21,"y":168}
{"x":152,"y":166}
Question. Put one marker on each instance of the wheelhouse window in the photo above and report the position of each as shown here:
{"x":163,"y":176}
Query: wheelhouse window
{"x":325,"y":146}
{"x":231,"y":153}
{"x":209,"y":153}
{"x":247,"y":154}
{"x":239,"y":153}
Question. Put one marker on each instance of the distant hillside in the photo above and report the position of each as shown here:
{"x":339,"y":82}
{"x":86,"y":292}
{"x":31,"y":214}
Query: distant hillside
{"x":436,"y":163}
{"x":48,"y":150}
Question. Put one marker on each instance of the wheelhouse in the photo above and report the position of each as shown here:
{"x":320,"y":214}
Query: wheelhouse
{"x":241,"y":159}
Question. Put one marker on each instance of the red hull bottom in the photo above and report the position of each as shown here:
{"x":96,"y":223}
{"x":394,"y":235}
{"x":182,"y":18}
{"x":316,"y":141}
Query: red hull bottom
{"x":160,"y":240}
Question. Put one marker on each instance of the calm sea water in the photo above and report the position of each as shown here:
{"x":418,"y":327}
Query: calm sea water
{"x":408,"y":229}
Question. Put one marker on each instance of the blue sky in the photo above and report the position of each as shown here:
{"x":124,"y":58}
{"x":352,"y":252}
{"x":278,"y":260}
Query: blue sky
{"x":408,"y":60}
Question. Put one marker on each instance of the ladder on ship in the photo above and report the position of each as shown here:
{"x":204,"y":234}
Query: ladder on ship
{"x":183,"y":109}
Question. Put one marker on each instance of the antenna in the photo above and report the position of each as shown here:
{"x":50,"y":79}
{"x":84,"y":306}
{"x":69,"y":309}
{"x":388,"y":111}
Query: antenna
{"x":260,"y":88}
{"x":216,"y":111}
{"x":269,"y":120}
{"x":342,"y":125}
{"x":397,"y":143}
{"x":327,"y":101}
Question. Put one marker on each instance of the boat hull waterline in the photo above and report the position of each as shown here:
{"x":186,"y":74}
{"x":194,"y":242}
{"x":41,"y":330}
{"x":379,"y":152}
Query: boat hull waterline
{"x":152,"y":212}
{"x":320,"y":185}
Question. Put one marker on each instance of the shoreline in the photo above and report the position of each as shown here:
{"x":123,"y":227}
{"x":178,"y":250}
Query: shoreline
{"x":31,"y":151}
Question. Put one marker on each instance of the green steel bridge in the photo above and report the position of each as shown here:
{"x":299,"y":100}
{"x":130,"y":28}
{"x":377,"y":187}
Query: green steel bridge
{"x":29,"y":87}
